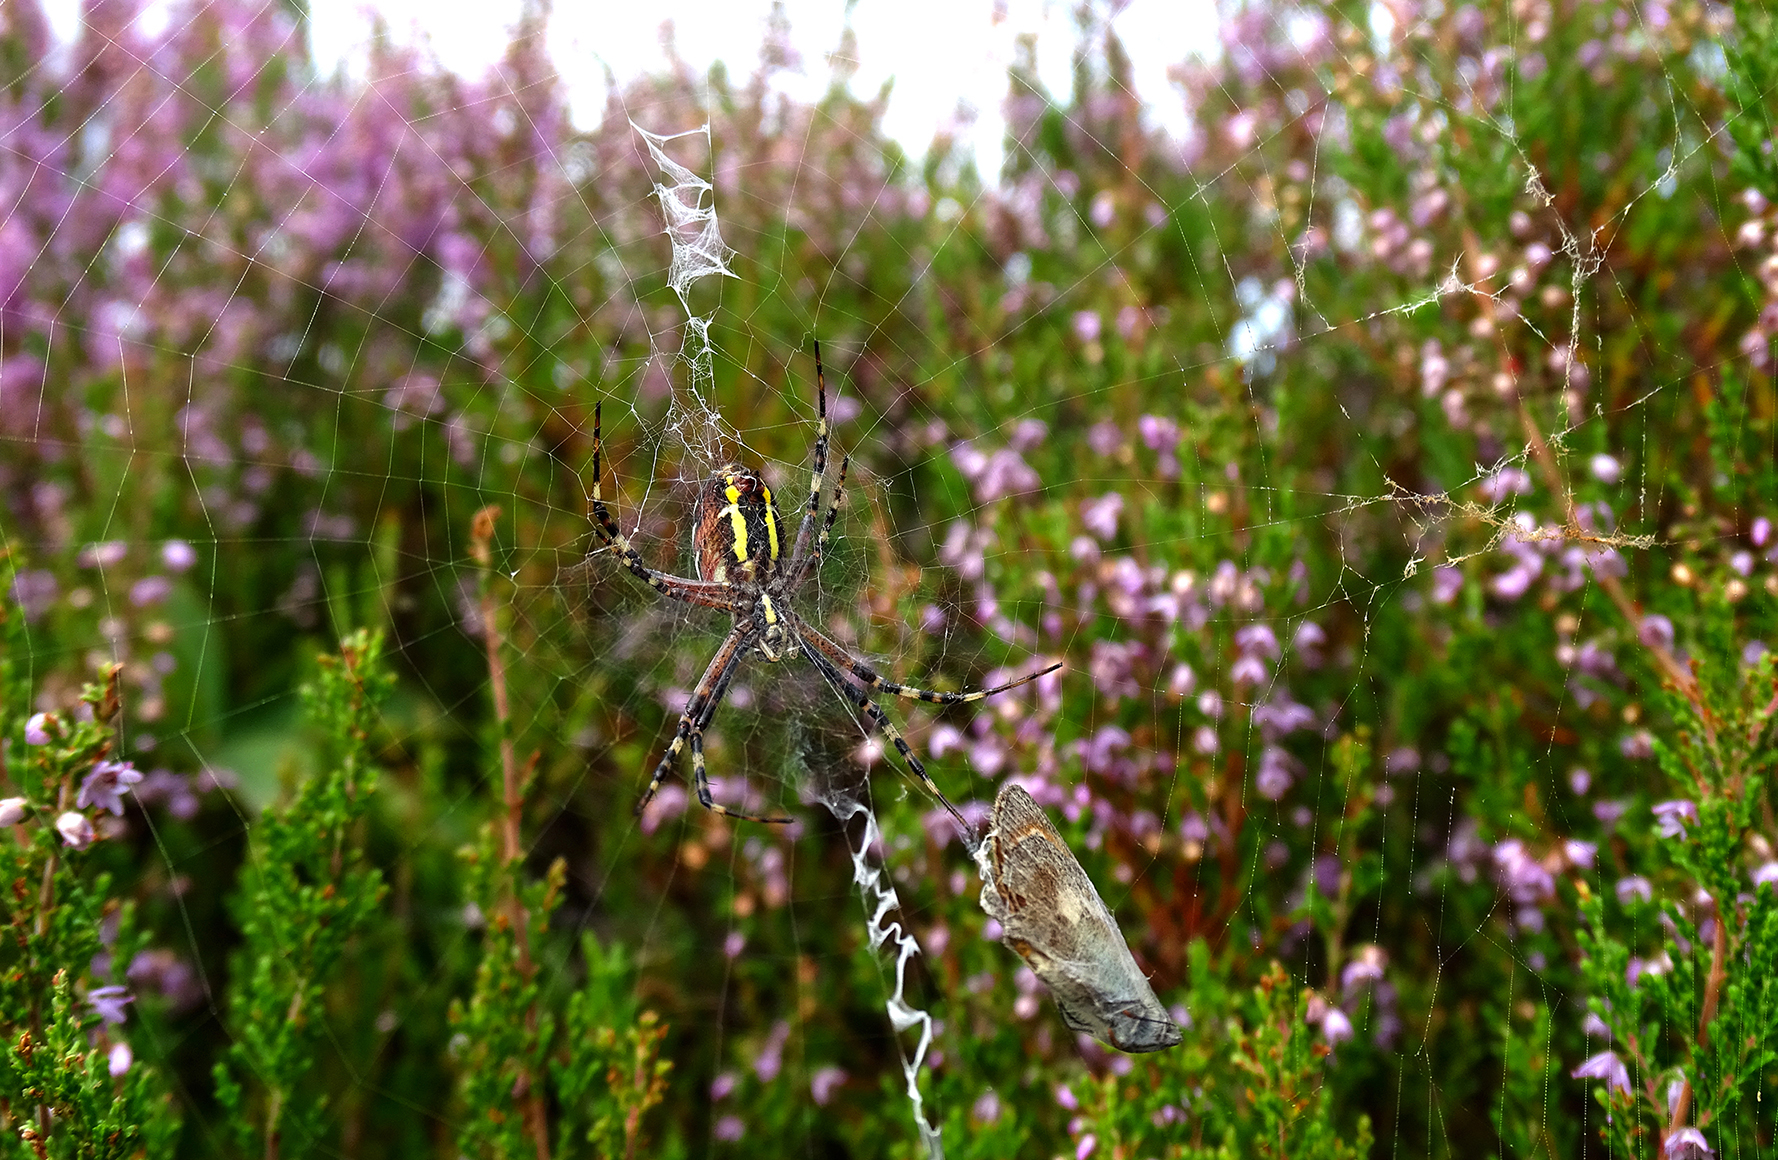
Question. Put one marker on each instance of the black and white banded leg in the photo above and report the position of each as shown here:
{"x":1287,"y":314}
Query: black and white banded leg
{"x":875,"y":680}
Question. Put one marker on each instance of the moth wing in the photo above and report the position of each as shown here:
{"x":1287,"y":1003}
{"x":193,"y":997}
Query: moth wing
{"x":1056,"y":921}
{"x":1049,"y":900}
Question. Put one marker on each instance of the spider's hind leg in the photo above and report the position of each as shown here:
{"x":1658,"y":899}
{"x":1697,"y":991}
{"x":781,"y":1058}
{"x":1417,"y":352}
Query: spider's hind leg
{"x":701,"y":780}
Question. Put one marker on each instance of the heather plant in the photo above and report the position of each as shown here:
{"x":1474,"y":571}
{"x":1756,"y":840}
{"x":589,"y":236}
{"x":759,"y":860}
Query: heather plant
{"x":1689,"y":1021}
{"x":71,"y":1082}
{"x":1390,"y":457}
{"x":303,"y":900}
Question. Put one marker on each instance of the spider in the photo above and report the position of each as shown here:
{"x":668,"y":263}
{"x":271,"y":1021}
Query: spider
{"x":738,"y":543}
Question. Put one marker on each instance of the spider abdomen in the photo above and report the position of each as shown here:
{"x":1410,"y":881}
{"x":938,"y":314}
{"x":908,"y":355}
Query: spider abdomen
{"x":739,"y":536}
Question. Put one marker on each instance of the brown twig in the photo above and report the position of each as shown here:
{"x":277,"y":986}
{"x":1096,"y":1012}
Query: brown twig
{"x":481,"y":534}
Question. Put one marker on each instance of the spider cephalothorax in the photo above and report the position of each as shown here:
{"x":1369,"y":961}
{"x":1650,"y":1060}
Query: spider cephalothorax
{"x":744,"y":570}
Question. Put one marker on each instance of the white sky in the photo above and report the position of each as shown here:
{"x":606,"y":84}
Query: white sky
{"x":941,"y":53}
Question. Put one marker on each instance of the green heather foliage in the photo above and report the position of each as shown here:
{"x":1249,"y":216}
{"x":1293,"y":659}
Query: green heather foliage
{"x":304,"y":895}
{"x":1390,"y":456}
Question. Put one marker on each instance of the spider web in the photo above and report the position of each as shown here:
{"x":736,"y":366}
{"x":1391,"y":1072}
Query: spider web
{"x":217,"y":366}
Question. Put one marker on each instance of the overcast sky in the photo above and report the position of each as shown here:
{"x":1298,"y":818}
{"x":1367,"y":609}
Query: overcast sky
{"x":940,"y":53}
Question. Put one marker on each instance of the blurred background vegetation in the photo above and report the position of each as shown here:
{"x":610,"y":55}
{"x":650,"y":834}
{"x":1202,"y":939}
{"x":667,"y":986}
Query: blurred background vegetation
{"x":1391,"y":459}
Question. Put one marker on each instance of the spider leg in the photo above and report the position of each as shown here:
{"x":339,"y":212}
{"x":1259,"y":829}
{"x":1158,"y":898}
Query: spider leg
{"x":833,"y":511}
{"x":702,"y":781}
{"x":704,"y":699}
{"x":872,"y":679}
{"x":819,"y":476}
{"x":887,"y":727}
{"x":708,"y":593}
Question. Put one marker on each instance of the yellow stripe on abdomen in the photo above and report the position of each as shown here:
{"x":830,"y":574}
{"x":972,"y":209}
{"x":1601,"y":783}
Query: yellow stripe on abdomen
{"x":771,"y":522}
{"x":737,"y":521}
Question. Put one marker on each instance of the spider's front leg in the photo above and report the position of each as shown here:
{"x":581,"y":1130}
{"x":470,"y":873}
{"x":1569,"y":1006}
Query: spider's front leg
{"x":704,"y":592}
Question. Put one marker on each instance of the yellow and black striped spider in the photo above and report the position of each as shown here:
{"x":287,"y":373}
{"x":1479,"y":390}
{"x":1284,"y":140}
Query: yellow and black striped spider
{"x":742,"y":570}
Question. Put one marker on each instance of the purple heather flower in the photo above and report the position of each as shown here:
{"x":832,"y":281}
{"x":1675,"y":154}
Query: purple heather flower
{"x":1593,"y":1025}
{"x":1514,"y":582}
{"x":1672,"y":817}
{"x":1161,"y":434}
{"x":1210,"y":704}
{"x":119,"y":1060}
{"x":1446,"y":584}
{"x":1257,"y":640}
{"x":1659,"y":965}
{"x":1272,"y":779}
{"x":1765,"y":874}
{"x":1085,"y":1148}
{"x":669,"y":802}
{"x":1634,"y":886}
{"x":1405,"y":759}
{"x":1579,"y":780}
{"x":1640,"y":744}
{"x":1754,"y":650}
{"x":1248,"y":670}
{"x":35,"y":590}
{"x":1507,"y":481}
{"x":150,"y":590}
{"x":105,"y":554}
{"x":1365,"y":969}
{"x":1282,"y":715}
{"x":178,"y":555}
{"x":1192,"y":828}
{"x":771,"y":1054}
{"x":1105,"y":438}
{"x":1760,"y":532}
{"x":1223,"y":583}
{"x":728,"y":1129}
{"x":1336,"y":1027}
{"x":1028,"y":433}
{"x":110,"y":1002}
{"x":76,"y":830}
{"x":823,"y":1083}
{"x":1100,"y":515}
{"x":1741,"y":562}
{"x":1687,"y":1144}
{"x":105,"y":786}
{"x":1307,"y":642}
{"x":1580,"y":854}
{"x":1655,"y":631}
{"x":12,"y":811}
{"x":1205,"y":740}
{"x":1606,"y":1066}
{"x":734,"y":944}
{"x":38,"y":727}
{"x":987,"y":1107}
{"x":1605,"y":469}
{"x":1065,"y":1098}
{"x":1523,"y":877}
{"x":1087,"y":325}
